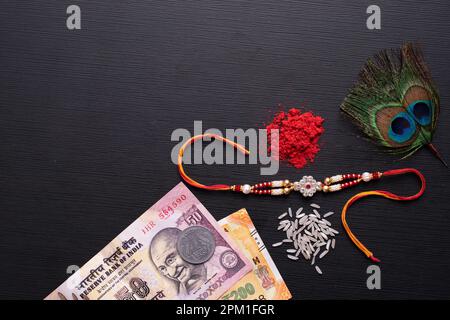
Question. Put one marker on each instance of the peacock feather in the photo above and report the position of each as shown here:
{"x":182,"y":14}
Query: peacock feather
{"x":395,"y":102}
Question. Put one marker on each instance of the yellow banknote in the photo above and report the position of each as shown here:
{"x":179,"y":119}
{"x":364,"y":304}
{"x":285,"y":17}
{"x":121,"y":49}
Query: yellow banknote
{"x":264,"y":282}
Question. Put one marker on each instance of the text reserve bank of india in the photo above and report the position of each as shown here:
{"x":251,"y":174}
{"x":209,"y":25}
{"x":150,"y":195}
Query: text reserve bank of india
{"x":175,"y":250}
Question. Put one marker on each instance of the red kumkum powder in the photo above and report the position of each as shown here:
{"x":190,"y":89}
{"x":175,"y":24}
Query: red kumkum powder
{"x":299,"y":134}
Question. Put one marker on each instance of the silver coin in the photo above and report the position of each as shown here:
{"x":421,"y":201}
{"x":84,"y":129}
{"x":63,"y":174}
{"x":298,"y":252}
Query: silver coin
{"x":196,"y":244}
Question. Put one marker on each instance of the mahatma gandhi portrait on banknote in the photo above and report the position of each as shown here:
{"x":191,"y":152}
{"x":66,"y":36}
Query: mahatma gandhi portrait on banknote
{"x":174,"y":250}
{"x":185,"y":276}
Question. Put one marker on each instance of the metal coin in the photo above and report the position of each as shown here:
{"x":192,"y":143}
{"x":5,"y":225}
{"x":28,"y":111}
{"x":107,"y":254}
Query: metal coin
{"x":196,"y":244}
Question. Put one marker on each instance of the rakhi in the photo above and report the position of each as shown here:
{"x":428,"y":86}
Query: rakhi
{"x":307,"y":186}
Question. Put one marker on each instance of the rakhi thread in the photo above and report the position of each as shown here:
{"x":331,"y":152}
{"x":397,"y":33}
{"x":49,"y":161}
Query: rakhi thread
{"x":192,"y":182}
{"x":308,"y":186}
{"x":384,"y":194}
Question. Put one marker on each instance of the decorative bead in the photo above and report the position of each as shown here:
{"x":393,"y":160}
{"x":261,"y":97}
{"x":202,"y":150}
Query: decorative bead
{"x":327,"y":181}
{"x":336,"y":178}
{"x":246,"y":188}
{"x":260,"y":185}
{"x":287,"y":190}
{"x":276,"y":192}
{"x":335,"y":187}
{"x":307,"y":186}
{"x":277,"y":183}
{"x":366,"y":176}
{"x":325,"y":188}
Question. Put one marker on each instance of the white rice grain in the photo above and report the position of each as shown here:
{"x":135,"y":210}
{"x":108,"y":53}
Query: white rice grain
{"x":323,"y":254}
{"x":311,"y":234}
{"x":282,"y":216}
{"x":316,"y":213}
{"x":277,"y":244}
{"x":326,"y":215}
{"x":318,"y":270}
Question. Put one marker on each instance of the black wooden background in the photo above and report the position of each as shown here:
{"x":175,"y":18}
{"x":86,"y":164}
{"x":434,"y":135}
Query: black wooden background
{"x":86,"y":118}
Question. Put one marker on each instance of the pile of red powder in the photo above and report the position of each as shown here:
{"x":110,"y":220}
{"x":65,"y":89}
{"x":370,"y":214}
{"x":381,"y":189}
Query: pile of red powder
{"x":299,"y":134}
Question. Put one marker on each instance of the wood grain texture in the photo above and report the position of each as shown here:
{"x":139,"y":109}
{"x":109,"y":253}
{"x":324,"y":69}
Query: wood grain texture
{"x":86,"y":118}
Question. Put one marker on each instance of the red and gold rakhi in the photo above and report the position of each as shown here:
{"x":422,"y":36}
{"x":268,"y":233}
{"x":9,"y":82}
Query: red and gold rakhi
{"x":307,"y":186}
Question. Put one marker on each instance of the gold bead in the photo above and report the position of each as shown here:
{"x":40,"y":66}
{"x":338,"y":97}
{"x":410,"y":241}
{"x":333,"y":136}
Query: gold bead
{"x":325,"y":188}
{"x":287,"y":190}
{"x":327,"y":181}
{"x":286,"y":182}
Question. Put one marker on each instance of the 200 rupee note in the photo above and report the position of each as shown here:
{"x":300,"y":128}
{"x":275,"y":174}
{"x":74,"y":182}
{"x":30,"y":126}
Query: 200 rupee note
{"x":264,"y":282}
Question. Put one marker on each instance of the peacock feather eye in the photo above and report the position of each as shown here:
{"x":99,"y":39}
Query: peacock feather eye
{"x":395,"y":102}
{"x":402,"y":128}
{"x":421,"y":111}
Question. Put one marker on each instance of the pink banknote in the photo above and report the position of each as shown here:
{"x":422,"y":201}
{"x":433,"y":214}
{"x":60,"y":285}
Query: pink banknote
{"x":175,"y":250}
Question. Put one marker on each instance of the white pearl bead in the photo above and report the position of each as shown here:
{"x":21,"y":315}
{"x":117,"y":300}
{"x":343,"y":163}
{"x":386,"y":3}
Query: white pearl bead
{"x":366,"y":176}
{"x":246,"y":188}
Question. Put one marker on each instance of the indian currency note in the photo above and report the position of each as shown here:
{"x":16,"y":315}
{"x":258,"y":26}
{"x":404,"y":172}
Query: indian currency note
{"x":265,"y":281}
{"x":174,"y":250}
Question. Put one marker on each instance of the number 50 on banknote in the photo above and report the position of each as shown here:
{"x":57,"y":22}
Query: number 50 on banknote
{"x":175,"y":250}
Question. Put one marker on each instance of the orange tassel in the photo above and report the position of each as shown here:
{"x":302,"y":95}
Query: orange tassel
{"x":384,"y":194}
{"x":191,"y":181}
